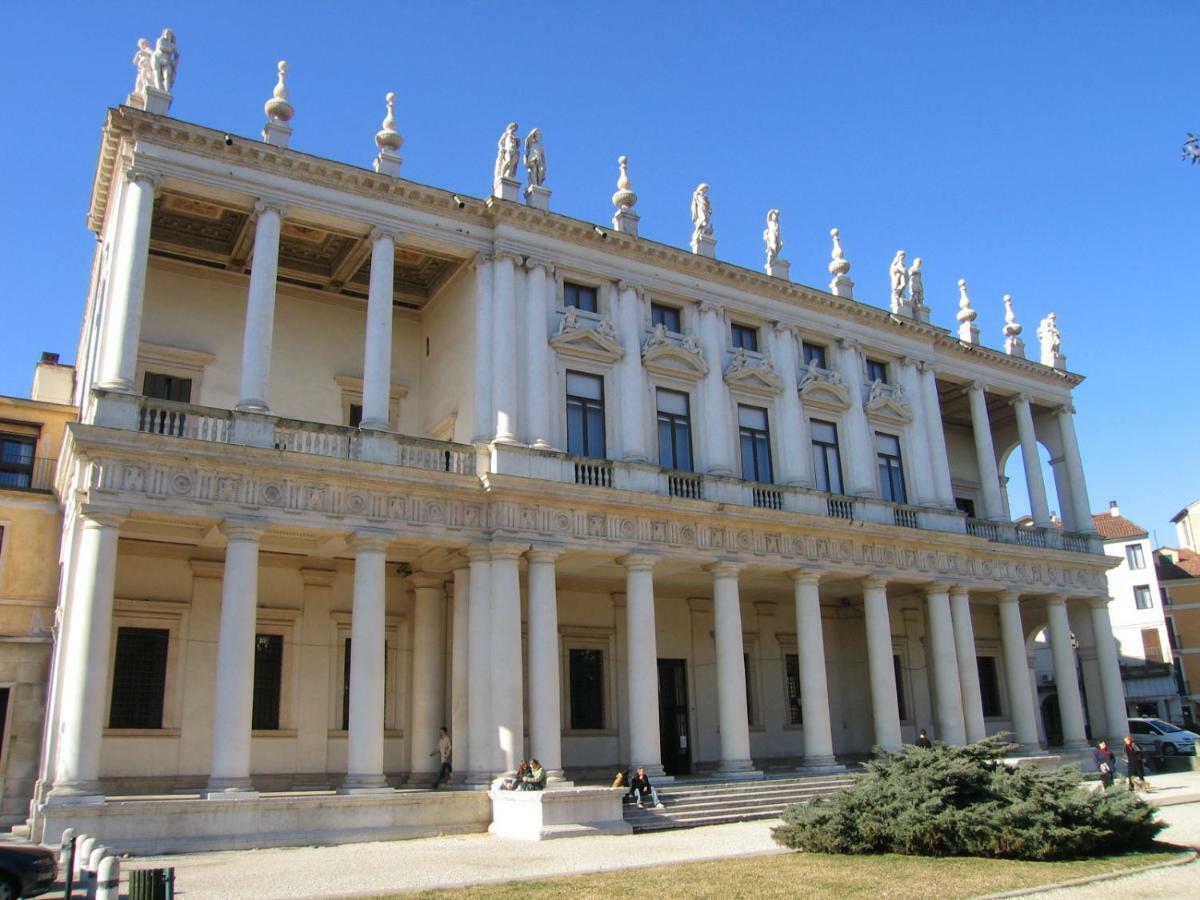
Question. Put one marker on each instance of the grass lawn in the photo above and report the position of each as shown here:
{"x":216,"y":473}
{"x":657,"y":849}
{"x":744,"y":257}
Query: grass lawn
{"x":817,"y":874}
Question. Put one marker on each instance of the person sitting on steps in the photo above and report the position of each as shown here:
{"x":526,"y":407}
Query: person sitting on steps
{"x":641,"y":789}
{"x":534,"y":778}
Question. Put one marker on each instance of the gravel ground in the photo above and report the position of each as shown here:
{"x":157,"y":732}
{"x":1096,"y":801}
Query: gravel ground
{"x":365,"y":869}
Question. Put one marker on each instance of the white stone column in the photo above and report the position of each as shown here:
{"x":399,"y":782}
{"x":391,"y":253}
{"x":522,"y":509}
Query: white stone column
{"x":1065,"y":416}
{"x":537,"y":357}
{"x":939,"y":461}
{"x":429,"y":671}
{"x":944,"y":660}
{"x":377,"y":353}
{"x":482,"y":382}
{"x":795,"y":453}
{"x":480,"y":733}
{"x":1016,"y":672}
{"x":1066,"y":678}
{"x":632,"y":376}
{"x":642,"y":661}
{"x":1029,"y":457}
{"x":85,"y":660}
{"x":1110,"y":671}
{"x":1062,"y":489}
{"x":127,"y":285}
{"x":985,"y":453}
{"x":731,"y":672}
{"x":968,"y":665}
{"x":504,"y":348}
{"x":260,"y":308}
{"x":717,"y":443}
{"x":921,"y":489}
{"x":364,"y":756}
{"x":814,"y":689}
{"x":884,"y":707}
{"x":459,"y":669}
{"x":508,"y":694}
{"x":860,"y":444}
{"x":233,"y":693}
{"x":545,"y":699}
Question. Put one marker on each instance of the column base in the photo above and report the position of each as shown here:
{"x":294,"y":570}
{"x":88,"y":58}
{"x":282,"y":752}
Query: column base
{"x":1070,"y":746}
{"x":820,"y":765}
{"x":231,"y":795}
{"x":230,"y":789}
{"x":738,"y":770}
{"x":365,"y":784}
{"x":655,"y":772}
{"x":80,"y":793}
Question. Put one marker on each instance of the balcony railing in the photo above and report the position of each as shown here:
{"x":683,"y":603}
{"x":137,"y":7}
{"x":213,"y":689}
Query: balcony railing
{"x":187,"y":421}
{"x":38,"y":477}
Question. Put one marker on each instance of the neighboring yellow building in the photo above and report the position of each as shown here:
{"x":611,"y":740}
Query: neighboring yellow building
{"x":31,"y":435}
{"x":1179,"y":575}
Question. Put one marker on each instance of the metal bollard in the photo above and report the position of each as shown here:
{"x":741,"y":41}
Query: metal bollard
{"x":98,"y":853}
{"x":108,"y":879}
{"x":66,"y":861}
{"x":151,"y":884}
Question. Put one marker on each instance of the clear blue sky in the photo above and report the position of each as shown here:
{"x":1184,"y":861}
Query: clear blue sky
{"x":1032,"y":148}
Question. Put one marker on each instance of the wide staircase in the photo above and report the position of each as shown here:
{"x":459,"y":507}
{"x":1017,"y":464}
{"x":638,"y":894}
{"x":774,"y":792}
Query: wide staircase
{"x":694,"y":802}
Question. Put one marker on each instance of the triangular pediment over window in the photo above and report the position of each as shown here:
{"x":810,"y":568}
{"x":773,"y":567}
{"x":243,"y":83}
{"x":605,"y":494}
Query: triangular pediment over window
{"x":598,"y":343}
{"x":887,"y":403}
{"x":672,"y":359}
{"x":824,"y":388}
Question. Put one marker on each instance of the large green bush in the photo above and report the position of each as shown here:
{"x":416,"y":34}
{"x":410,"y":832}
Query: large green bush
{"x":964,"y":801}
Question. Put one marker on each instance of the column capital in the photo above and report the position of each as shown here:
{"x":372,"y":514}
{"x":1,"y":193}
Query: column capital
{"x":426,"y":580}
{"x":243,"y":529}
{"x":724,"y":569}
{"x":937,"y":587}
{"x":532,"y":262}
{"x":136,"y":173}
{"x":262,"y":204}
{"x":370,"y":540}
{"x":544,"y":554}
{"x":508,"y":551}
{"x":1055,"y":600}
{"x":509,"y":256}
{"x":707,"y":306}
{"x":1066,"y":409}
{"x":380,"y":232}
{"x":477,"y":553}
{"x":874,"y":582}
{"x":960,"y":590}
{"x":849,"y":343}
{"x":783,"y":328}
{"x":806,"y":576}
{"x":1007,"y":597}
{"x":1099,"y":602}
{"x":913,"y":362}
{"x":928,"y":365}
{"x":481,"y":259}
{"x":976,"y":386}
{"x":638,"y":562}
{"x":94,"y":515}
{"x":1019,"y":399}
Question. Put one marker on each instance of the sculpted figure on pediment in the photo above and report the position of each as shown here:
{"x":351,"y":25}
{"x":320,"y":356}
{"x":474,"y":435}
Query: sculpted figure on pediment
{"x":916,"y":284}
{"x":773,"y":237}
{"x":701,"y":213}
{"x":508,"y":151}
{"x":570,"y":320}
{"x":658,"y":337}
{"x":899,"y":276}
{"x":143,"y":62}
{"x":535,"y":157}
{"x":165,"y":61}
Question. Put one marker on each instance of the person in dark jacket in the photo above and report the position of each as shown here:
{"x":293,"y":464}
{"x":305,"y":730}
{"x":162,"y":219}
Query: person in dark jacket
{"x":1105,"y":763}
{"x":642,"y":790}
{"x":1135,"y":764}
{"x":923,"y":740}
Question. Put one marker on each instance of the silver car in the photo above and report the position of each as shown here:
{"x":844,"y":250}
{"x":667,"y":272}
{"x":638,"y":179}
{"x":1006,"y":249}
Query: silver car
{"x":1160,"y":738}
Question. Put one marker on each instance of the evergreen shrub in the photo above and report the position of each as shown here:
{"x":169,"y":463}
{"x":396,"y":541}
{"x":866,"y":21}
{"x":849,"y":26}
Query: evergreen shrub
{"x":964,"y":801}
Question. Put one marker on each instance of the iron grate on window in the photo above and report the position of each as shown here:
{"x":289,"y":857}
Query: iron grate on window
{"x":139,"y":678}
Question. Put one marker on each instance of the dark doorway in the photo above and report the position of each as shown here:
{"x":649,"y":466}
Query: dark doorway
{"x":673,"y":716}
{"x":1052,"y":720}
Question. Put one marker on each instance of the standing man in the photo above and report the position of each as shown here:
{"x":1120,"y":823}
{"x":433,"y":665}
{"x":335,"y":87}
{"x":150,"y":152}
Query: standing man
{"x":444,"y":750}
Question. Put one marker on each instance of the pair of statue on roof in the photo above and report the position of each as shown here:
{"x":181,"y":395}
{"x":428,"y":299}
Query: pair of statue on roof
{"x":508,"y":154}
{"x":156,"y":65}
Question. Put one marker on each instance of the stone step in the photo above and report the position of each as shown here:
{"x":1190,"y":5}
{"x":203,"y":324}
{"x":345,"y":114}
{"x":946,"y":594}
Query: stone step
{"x":752,"y":789}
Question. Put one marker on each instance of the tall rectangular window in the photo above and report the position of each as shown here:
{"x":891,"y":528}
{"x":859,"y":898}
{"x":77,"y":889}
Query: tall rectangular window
{"x":268,"y":681}
{"x":674,"y":431}
{"x":813,"y":354}
{"x":898,"y":667}
{"x":666,"y":316}
{"x":749,"y":690}
{"x":1142,"y":598}
{"x":387,"y":673}
{"x":826,"y":461}
{"x":167,"y":387}
{"x":876,"y":371}
{"x":16,"y":460}
{"x":1172,"y":635}
{"x":891,"y":471}
{"x":585,"y":415}
{"x":586,"y":674}
{"x":792,"y":673}
{"x":1152,"y":645}
{"x":755,"y":442}
{"x":579,"y":296}
{"x":989,"y":686}
{"x":1133,"y":555}
{"x":966,"y":505}
{"x":139,"y":678}
{"x":355,"y":415}
{"x":744,"y":337}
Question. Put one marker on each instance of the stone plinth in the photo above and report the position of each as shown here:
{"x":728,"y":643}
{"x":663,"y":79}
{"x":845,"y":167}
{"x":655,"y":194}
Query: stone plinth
{"x":285,"y":820}
{"x":277,"y":134}
{"x":626,"y":221}
{"x":537,"y":197}
{"x":842,"y":286}
{"x":1058,"y":361}
{"x":506,"y":188}
{"x":780,"y":268}
{"x":705,"y":245}
{"x":157,"y":102}
{"x":968,"y":333}
{"x":387,"y":162}
{"x":569,"y":812}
